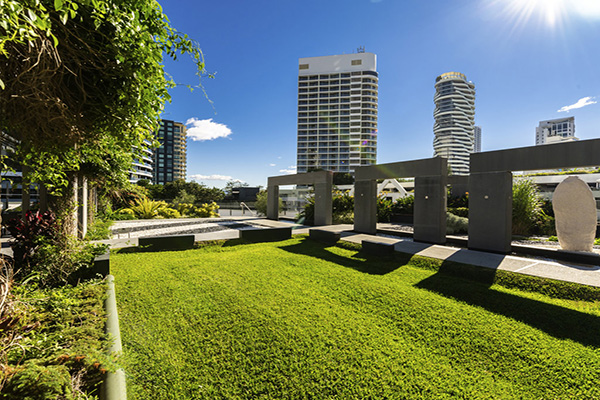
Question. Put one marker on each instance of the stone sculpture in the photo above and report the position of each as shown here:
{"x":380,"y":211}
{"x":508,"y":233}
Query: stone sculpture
{"x":575,"y":212}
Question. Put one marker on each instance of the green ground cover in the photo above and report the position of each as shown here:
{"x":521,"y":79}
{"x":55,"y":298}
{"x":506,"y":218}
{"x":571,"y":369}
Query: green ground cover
{"x":301,"y":320}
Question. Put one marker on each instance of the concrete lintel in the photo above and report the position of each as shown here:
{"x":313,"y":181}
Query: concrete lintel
{"x":403,"y":169}
{"x":308,"y":178}
{"x":583,"y":153}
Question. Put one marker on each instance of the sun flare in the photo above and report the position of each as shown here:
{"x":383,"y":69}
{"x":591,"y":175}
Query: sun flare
{"x":551,"y":13}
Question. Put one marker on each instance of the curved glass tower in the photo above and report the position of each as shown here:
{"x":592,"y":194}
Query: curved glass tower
{"x":454,"y":120}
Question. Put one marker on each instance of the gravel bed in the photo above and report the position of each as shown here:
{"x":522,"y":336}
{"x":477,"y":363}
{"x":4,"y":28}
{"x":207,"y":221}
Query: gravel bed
{"x":197,"y":226}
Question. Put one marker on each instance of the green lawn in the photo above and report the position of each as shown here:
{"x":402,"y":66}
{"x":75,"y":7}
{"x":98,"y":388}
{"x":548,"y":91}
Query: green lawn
{"x":300,"y":320}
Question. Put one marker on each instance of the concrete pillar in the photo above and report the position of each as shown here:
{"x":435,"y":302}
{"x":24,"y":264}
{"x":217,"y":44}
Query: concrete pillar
{"x":82,"y":205}
{"x":490,"y":211}
{"x":323,"y":204}
{"x":430,"y":209}
{"x":273,"y":202}
{"x":365,"y":206}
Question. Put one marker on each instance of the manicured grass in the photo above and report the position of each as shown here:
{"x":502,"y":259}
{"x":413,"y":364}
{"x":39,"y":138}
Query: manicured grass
{"x":300,"y":320}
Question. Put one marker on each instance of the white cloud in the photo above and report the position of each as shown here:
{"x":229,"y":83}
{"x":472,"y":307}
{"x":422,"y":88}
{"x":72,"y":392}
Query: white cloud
{"x":586,"y":101}
{"x":206,"y":129}
{"x":289,"y":170}
{"x":199,"y":177}
{"x":271,"y":165}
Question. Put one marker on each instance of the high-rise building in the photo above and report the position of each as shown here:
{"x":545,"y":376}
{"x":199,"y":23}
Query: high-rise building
{"x":454,"y":120}
{"x":170,"y":157}
{"x":555,"y":131}
{"x":337,"y":112}
{"x":477,"y":139}
{"x":142,"y":166}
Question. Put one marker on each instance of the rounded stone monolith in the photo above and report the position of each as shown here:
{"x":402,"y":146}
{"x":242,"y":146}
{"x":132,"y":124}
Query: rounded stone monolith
{"x":575,"y":212}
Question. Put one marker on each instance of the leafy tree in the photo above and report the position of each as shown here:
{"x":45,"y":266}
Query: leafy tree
{"x":82,"y":81}
{"x":228,"y":189}
{"x":200,"y":192}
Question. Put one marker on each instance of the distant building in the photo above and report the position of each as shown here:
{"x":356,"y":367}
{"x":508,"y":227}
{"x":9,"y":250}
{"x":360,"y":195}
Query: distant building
{"x":142,"y":166}
{"x":555,"y":131}
{"x":337,"y":112}
{"x":170,"y":157}
{"x":454,"y":121}
{"x":477,"y":137}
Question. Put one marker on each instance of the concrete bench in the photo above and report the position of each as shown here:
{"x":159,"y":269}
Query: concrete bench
{"x":266,"y":235}
{"x":177,"y":242}
{"x":324,"y":236}
{"x":102,"y":264}
{"x":377,"y":248}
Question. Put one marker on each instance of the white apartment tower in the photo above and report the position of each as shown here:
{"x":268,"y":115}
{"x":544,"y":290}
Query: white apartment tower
{"x":454,"y":120}
{"x":337,"y":112}
{"x":477,"y":138}
{"x":555,"y":131}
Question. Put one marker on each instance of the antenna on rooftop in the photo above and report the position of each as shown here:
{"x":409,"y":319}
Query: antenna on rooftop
{"x":361,"y":49}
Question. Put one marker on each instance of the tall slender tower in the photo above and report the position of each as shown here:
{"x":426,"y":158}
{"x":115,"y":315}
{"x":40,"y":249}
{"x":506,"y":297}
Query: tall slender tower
{"x":170,"y":157}
{"x":454,"y":120}
{"x":337,"y":112}
{"x":477,"y":137}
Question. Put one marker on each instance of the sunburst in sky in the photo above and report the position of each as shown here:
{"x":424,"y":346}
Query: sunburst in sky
{"x":553,"y":13}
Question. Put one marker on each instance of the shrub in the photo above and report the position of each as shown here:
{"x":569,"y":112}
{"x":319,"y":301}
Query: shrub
{"x":456,"y":224}
{"x":404,"y":205}
{"x":28,"y":234}
{"x":261,"y":203}
{"x":167,"y":212}
{"x":346,"y":217}
{"x":307,"y":215}
{"x":527,"y":206}
{"x":459,"y":211}
{"x":208,"y":210}
{"x":384,"y":209}
{"x":147,"y":209}
{"x":342,"y":203}
{"x":458,"y":201}
{"x":184,"y":198}
{"x":42,"y":253}
{"x":185,"y":208}
{"x":99,"y":230}
{"x":122,"y":215}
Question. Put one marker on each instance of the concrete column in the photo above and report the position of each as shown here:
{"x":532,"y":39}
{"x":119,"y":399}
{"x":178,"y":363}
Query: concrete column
{"x":82,"y":205}
{"x":490,"y":211}
{"x":365,"y":206}
{"x":430,"y":209}
{"x":273,"y":202}
{"x":323,"y":204}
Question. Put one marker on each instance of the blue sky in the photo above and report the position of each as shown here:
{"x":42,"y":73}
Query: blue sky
{"x":527,"y":59}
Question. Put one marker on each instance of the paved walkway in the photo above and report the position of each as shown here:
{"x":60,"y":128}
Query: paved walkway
{"x":563,"y":271}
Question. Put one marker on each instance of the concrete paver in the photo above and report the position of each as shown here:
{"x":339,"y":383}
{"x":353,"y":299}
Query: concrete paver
{"x":563,"y":271}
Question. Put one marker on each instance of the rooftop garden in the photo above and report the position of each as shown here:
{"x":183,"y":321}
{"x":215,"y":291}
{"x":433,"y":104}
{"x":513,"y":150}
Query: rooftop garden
{"x":298,"y":319}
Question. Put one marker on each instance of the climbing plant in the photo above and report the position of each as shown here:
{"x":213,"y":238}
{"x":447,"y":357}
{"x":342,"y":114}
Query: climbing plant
{"x":77,"y":76}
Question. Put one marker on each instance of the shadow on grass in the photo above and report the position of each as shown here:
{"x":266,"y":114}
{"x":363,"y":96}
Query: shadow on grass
{"x":197,"y":245}
{"x":557,"y":321}
{"x":374,"y":265}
